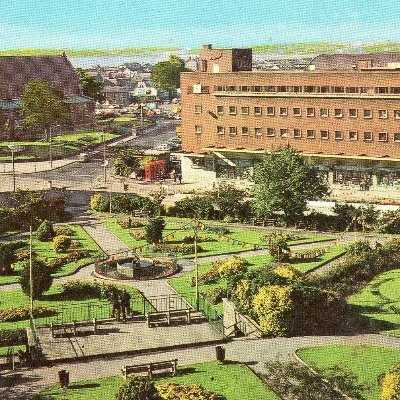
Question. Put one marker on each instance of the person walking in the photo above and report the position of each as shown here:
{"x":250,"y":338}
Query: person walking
{"x":125,"y":304}
{"x":116,"y":305}
{"x":180,"y":178}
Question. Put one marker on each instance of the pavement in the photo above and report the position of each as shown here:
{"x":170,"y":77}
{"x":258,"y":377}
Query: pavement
{"x":35,"y":166}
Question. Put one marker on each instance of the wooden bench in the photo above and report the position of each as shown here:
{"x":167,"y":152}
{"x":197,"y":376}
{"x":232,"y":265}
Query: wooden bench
{"x":265,"y":222}
{"x":150,"y":368}
{"x":168,"y":316}
{"x":56,"y":328}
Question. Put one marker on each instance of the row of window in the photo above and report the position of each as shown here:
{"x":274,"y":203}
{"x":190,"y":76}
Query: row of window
{"x":310,"y":89}
{"x":308,"y":133}
{"x":298,"y":112}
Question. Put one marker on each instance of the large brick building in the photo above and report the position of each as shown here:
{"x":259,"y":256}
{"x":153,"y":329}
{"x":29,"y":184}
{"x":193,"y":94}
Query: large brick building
{"x":346,"y":118}
{"x":17,"y":71}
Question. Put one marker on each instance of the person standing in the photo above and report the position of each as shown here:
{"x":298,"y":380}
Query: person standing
{"x":180,"y":178}
{"x":116,"y":305}
{"x":125,"y":304}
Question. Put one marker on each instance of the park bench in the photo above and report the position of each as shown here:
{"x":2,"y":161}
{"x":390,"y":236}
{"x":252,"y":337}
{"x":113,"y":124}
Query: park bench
{"x":61,"y":328}
{"x":150,"y":368}
{"x":264,"y":222}
{"x":167,"y":317}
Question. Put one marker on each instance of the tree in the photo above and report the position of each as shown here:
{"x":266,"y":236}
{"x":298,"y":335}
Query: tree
{"x":99,"y":203}
{"x":278,"y":247}
{"x":166,"y":74}
{"x":43,"y":106}
{"x":45,"y":231}
{"x":91,"y":85}
{"x":284,"y":182}
{"x":137,"y":388}
{"x":126,"y":162}
{"x":154,"y":230}
{"x":41,"y":277}
{"x":197,"y":206}
{"x":390,"y":384}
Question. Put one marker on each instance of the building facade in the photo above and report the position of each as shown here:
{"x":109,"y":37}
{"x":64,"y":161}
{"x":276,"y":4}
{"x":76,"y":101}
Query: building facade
{"x":347,"y":120}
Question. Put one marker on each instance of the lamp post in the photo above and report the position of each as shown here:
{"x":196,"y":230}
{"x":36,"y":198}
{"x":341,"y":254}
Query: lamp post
{"x":14,"y":148}
{"x":196,"y":266}
{"x":50,"y":148}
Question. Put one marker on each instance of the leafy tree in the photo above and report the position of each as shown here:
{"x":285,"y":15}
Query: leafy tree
{"x":137,"y":388}
{"x":154,"y":230}
{"x":278,"y":247}
{"x":390,"y":222}
{"x":43,"y":106}
{"x":41,"y":277}
{"x":284,"y":182}
{"x":7,"y":256}
{"x":45,"y":231}
{"x":198,"y":206}
{"x":390,"y":385}
{"x":99,"y":203}
{"x":166,"y":74}
{"x":91,"y":86}
{"x":125,"y":162}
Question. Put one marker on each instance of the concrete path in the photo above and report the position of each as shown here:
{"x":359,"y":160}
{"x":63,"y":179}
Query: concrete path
{"x":22,"y":385}
{"x":35,"y":166}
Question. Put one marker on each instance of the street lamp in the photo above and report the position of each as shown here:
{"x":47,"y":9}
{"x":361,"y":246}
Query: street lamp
{"x":14,"y":149}
{"x":51,"y":145}
{"x":196,"y":265}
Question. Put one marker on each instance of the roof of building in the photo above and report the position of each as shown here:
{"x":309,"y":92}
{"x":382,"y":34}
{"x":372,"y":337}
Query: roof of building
{"x":349,"y":61}
{"x":17,"y":71}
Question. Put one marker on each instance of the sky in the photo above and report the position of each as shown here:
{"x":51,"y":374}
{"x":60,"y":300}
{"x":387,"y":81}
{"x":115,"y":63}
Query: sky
{"x":80,"y":24}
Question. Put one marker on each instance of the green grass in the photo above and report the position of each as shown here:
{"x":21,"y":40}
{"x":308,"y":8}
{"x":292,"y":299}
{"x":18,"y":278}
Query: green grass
{"x":123,"y":119}
{"x":366,"y":362}
{"x":233,"y":381}
{"x":375,"y":300}
{"x":45,"y":250}
{"x":4,"y":350}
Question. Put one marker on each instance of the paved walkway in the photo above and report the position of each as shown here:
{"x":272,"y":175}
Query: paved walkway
{"x":22,"y":385}
{"x":35,"y":166}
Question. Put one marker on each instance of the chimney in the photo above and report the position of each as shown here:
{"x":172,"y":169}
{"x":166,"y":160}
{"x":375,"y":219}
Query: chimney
{"x":207,"y":46}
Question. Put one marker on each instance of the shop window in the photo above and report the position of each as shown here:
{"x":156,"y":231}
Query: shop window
{"x":270,"y":131}
{"x":323,"y":112}
{"x":198,"y":129}
{"x":245,"y":110}
{"x":353,"y":135}
{"x":338,"y":135}
{"x":220,"y":130}
{"x":283,"y":111}
{"x":257,"y":132}
{"x":367,"y":113}
{"x":270,"y":110}
{"x":310,"y":134}
{"x":257,"y":110}
{"x":368,"y":136}
{"x":297,"y":112}
{"x":220,"y":110}
{"x":353,"y":113}
{"x":382,"y":114}
{"x":382,"y":137}
{"x":338,"y":113}
{"x":245,"y":131}
{"x":232,"y":130}
{"x":324,"y":135}
{"x":310,"y":112}
{"x":232,"y":110}
{"x":197,"y":109}
{"x":297,"y":133}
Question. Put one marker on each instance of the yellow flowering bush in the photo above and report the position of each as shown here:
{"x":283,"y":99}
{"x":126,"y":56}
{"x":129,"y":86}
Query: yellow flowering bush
{"x":231,"y":266}
{"x":287,"y":271}
{"x":242,"y":295}
{"x":391,"y":384}
{"x":175,"y":391}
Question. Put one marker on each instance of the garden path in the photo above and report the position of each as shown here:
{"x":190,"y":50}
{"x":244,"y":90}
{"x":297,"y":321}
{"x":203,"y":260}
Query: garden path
{"x":24,"y":384}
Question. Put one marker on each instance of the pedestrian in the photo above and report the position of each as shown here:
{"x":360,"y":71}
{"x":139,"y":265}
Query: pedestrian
{"x":173,"y":173}
{"x":116,"y":305}
{"x":180,"y":178}
{"x":125,"y":304}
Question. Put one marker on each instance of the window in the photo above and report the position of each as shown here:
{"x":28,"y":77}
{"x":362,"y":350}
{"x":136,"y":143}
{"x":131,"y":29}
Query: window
{"x":197,"y":109}
{"x":270,"y":131}
{"x":220,"y":130}
{"x":257,"y":110}
{"x":323,"y":112}
{"x":245,"y":110}
{"x":338,"y":89}
{"x":269,"y":88}
{"x":324,"y":135}
{"x":232,"y":130}
{"x":381,"y":89}
{"x":395,"y":90}
{"x":220,"y":110}
{"x":297,"y":112}
{"x":367,"y":136}
{"x":198,"y":129}
{"x":353,"y":135}
{"x":338,"y":113}
{"x":270,"y":110}
{"x":245,"y":131}
{"x":367,"y":113}
{"x":310,"y":134}
{"x":382,"y":137}
{"x":283,"y":111}
{"x":310,"y":112}
{"x":382,"y":114}
{"x":257,"y":89}
{"x":353,"y":113}
{"x":352,"y":89}
{"x":232,"y":110}
{"x":297,"y":133}
{"x":282,"y":88}
{"x":245,"y":88}
{"x":309,"y":89}
{"x":397,"y":137}
{"x":324,"y":89}
{"x":257,"y":132}
{"x":284,"y":132}
{"x":396,"y":114}
{"x":338,"y":135}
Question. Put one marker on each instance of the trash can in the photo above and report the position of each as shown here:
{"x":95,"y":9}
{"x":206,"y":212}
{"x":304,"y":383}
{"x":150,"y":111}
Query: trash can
{"x":220,"y":353}
{"x":63,"y":377}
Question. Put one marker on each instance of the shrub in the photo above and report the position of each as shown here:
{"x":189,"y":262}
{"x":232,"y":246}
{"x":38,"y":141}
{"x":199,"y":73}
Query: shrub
{"x":139,"y":235}
{"x":211,"y":276}
{"x":277,"y":246}
{"x":76,"y":289}
{"x":214,"y":295}
{"x":180,"y":248}
{"x":61,"y":243}
{"x":390,"y":385}
{"x":289,"y":272}
{"x":75,"y":244}
{"x":23,"y":313}
{"x":198,"y":206}
{"x":129,"y":223}
{"x":232,"y":266}
{"x":222,"y":230}
{"x":242,"y":296}
{"x":45,"y":231}
{"x":63,"y":230}
{"x":12,"y":337}
{"x":175,"y":391}
{"x":389,"y":222}
{"x":98,"y":203}
{"x":8,"y":256}
{"x":154,"y":230}
{"x":137,"y":388}
{"x":41,"y":275}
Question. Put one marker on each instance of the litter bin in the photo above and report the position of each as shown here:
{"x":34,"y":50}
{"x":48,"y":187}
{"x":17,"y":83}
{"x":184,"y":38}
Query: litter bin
{"x":220,"y":353}
{"x":63,"y":377}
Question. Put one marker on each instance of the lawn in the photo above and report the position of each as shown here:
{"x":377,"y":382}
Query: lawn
{"x":366,"y":362}
{"x":45,"y":250}
{"x":233,"y":381}
{"x":375,"y":300}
